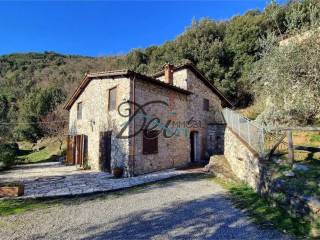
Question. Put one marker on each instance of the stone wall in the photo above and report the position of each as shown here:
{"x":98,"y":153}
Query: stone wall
{"x":96,"y":119}
{"x":195,"y":109}
{"x":175,"y":151}
{"x":243,"y":160}
{"x":172,"y":151}
{"x":215,"y":139}
{"x":186,"y":79}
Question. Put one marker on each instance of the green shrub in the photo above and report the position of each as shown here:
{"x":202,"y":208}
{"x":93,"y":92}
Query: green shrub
{"x":8,"y":153}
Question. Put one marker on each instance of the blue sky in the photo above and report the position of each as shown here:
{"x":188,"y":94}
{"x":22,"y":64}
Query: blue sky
{"x":98,"y":28}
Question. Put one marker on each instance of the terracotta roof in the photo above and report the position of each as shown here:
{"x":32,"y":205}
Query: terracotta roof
{"x":118,"y":73}
{"x":196,"y":71}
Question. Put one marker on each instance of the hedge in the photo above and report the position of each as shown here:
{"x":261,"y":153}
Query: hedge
{"x":8,"y":153}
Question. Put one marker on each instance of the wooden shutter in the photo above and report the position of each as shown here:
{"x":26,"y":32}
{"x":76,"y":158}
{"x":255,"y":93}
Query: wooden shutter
{"x":150,"y":142}
{"x":70,"y":150}
{"x":76,"y":149}
{"x":79,"y":149}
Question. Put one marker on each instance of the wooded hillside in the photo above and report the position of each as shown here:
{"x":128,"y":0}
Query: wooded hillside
{"x":34,"y":86}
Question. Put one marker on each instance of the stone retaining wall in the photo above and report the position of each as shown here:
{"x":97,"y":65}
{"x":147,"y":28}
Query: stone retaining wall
{"x":243,"y":160}
{"x":250,"y":168}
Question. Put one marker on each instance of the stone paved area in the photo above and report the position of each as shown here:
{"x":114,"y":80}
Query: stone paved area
{"x":54,"y":179}
{"x":184,"y":208}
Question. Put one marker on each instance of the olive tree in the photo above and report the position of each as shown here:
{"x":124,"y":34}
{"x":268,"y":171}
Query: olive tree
{"x":288,"y":79}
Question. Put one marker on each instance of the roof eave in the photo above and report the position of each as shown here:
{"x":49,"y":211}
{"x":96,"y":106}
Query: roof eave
{"x":86,"y":80}
{"x":120,"y":73}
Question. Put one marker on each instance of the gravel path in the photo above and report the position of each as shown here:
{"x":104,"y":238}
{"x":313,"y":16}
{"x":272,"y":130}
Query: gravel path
{"x":176,"y":209}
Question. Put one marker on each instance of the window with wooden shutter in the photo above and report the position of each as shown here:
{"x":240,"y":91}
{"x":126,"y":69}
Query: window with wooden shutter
{"x":79,"y":111}
{"x":112,"y":101}
{"x":205,"y":104}
{"x":150,"y":142}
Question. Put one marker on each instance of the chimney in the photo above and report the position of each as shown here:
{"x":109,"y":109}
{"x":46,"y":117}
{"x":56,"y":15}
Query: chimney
{"x":168,"y":73}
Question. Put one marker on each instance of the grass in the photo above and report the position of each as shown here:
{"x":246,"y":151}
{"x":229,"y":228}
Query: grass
{"x":36,"y":157}
{"x":304,"y":182}
{"x":306,"y":138}
{"x":48,"y":151}
{"x":264,"y":212}
{"x":13,"y":207}
{"x":316,"y":139}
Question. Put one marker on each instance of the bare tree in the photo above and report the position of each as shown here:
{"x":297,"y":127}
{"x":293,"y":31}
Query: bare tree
{"x":54,"y":125}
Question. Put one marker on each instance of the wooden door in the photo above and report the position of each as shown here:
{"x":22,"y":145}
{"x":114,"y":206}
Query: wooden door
{"x":192,"y":146}
{"x":106,"y":151}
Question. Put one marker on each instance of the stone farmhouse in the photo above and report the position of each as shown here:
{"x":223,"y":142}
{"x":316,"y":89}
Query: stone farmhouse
{"x":123,"y":119}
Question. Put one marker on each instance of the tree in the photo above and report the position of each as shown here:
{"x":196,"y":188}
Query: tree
{"x":302,"y":15}
{"x":202,"y":43}
{"x":4,"y":108}
{"x":288,"y":79}
{"x":242,"y":46}
{"x":54,"y":125}
{"x":37,"y":104}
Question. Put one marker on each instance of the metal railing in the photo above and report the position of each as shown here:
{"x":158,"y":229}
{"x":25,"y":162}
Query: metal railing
{"x":264,"y":140}
{"x":249,"y":131}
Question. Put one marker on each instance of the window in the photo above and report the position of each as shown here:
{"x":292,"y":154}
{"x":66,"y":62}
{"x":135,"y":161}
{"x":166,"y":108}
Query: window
{"x":112,"y":101}
{"x":150,"y":142}
{"x":79,"y":111}
{"x":205,"y":104}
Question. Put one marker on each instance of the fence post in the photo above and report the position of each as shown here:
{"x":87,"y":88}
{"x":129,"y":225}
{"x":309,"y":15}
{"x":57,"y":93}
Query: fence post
{"x":239,"y":125}
{"x":232,"y":116}
{"x":290,"y":147}
{"x":248,"y":129}
{"x":262,"y":142}
{"x":226,"y":116}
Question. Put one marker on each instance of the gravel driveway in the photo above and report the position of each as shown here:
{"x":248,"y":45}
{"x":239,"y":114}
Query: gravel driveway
{"x":177,"y":209}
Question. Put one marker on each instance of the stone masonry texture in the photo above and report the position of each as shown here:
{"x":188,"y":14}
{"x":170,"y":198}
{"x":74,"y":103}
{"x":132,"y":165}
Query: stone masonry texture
{"x":185,"y":114}
{"x":244,"y":162}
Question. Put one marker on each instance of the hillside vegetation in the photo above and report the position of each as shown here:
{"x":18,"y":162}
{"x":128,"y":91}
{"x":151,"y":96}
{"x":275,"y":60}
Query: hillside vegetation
{"x":233,"y":55}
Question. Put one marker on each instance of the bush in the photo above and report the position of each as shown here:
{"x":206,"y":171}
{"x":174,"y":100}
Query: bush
{"x":8,"y":153}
